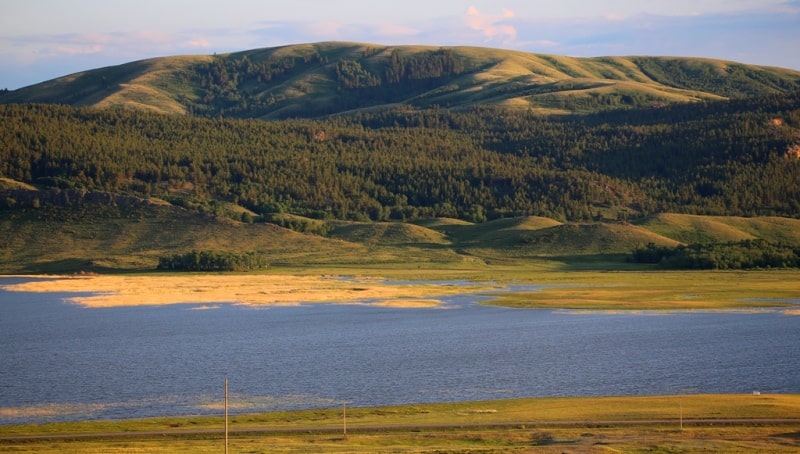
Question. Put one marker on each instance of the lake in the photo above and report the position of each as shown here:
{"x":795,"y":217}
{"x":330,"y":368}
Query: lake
{"x":66,"y":362}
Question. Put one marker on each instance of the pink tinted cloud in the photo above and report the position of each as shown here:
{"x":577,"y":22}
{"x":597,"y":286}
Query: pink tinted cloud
{"x":121,"y":45}
{"x":77,"y":50}
{"x":92,"y":43}
{"x":397,"y":30}
{"x":199,"y":42}
{"x":491,"y":25}
{"x":354,"y":32}
{"x":325,"y":29}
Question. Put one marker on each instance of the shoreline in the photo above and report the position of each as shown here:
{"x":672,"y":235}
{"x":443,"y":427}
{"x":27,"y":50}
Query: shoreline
{"x":542,"y":409}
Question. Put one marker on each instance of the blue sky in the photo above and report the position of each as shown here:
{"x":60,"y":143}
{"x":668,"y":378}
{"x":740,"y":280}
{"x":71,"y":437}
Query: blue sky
{"x":44,"y":39}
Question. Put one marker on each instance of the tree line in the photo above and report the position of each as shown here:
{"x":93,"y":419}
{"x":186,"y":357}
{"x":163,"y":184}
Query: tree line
{"x":741,"y":255}
{"x":233,"y":86}
{"x":213,"y":261}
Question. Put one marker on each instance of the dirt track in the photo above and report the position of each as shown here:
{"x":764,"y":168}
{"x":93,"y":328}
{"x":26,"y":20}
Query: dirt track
{"x":177,"y":432}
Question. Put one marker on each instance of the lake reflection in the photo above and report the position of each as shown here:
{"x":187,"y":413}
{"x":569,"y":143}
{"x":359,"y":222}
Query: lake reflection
{"x":62,"y":361}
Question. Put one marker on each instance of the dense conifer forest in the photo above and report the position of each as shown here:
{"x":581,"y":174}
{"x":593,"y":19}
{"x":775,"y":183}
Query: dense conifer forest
{"x":231,"y":87}
{"x":740,"y":255}
{"x":717,"y":158}
{"x":212,"y":261}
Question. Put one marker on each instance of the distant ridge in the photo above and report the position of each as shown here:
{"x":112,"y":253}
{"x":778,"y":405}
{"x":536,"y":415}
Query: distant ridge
{"x":311,"y":80}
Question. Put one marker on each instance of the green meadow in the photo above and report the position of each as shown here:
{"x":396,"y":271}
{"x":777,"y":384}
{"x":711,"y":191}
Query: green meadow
{"x":678,"y":423}
{"x":109,"y":239}
{"x":661,"y":290}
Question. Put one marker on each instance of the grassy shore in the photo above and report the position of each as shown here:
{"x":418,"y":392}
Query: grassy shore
{"x":662,"y":290}
{"x":685,"y":423}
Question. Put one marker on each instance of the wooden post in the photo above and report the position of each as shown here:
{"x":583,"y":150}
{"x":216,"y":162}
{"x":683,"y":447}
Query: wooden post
{"x":344,"y":419}
{"x":226,"y":415}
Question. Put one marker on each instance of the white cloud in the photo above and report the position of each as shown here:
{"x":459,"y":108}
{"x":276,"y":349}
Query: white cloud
{"x":325,"y":30}
{"x":118,"y":45}
{"x":78,"y":50}
{"x":198,"y":42}
{"x":583,"y":9}
{"x":389,"y":30}
{"x":764,"y":38}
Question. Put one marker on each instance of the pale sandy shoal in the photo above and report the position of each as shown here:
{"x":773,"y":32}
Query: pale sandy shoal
{"x":113,"y":291}
{"x":409,"y":303}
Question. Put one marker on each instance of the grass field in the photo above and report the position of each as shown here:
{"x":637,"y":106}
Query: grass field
{"x":688,"y":423}
{"x":662,"y":290}
{"x":107,"y":239}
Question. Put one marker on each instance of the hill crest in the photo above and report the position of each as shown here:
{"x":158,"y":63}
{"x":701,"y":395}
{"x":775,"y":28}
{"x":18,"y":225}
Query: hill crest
{"x":307,"y":80}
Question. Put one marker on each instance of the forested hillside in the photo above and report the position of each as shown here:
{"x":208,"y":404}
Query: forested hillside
{"x":719,"y":158}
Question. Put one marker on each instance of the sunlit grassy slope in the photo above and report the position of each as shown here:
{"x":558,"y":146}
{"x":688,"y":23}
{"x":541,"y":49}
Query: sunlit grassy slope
{"x":92,"y":236}
{"x":55,"y":240}
{"x":155,"y":85}
{"x":387,"y":233}
{"x":548,"y":83}
{"x":686,"y":228}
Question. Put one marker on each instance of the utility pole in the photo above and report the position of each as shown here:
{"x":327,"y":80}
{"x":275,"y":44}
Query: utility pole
{"x":226,"y":415}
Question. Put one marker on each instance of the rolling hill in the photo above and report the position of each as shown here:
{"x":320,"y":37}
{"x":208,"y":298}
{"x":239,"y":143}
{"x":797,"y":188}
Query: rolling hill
{"x":54,"y":231}
{"x":72,"y":231}
{"x":445,"y":156}
{"x":310,"y":80}
{"x":690,"y":229}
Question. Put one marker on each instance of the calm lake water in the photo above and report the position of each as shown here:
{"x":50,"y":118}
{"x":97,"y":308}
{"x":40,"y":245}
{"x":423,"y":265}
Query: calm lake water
{"x":64,"y":362}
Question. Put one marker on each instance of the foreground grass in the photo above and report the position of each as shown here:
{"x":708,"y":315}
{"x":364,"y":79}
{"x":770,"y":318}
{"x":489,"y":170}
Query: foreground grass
{"x":712,"y":423}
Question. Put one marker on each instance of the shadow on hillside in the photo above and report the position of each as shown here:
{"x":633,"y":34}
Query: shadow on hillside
{"x":599,"y":262}
{"x":73,"y":266}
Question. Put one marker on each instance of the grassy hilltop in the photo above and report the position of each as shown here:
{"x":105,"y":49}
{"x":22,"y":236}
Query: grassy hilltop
{"x":333,"y":77}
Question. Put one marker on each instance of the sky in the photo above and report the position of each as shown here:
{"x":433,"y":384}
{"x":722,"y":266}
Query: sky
{"x":44,"y":39}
